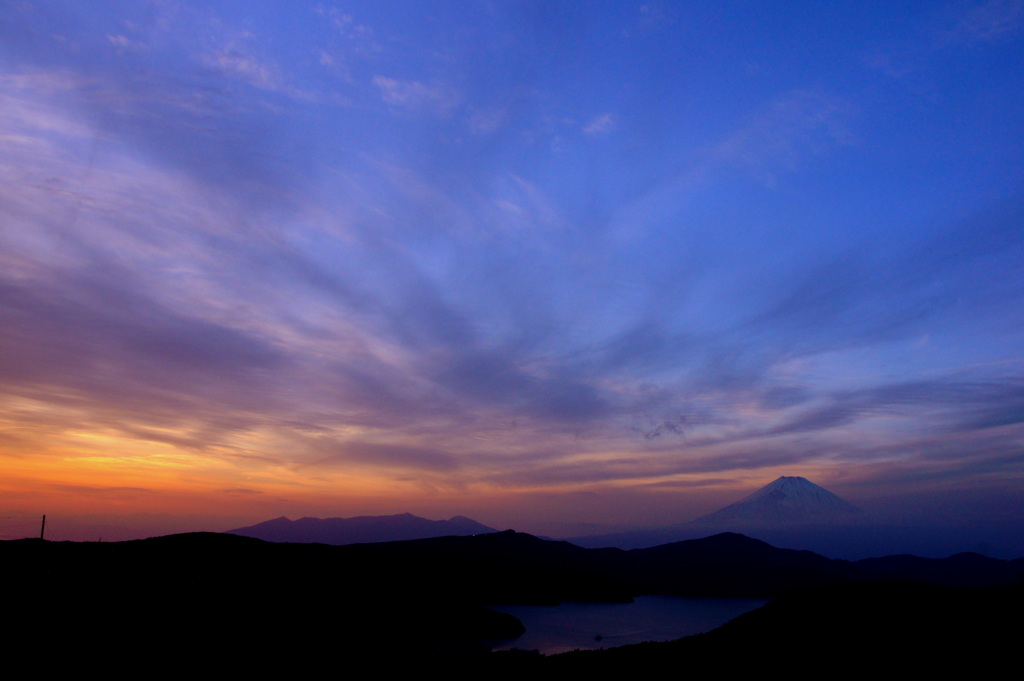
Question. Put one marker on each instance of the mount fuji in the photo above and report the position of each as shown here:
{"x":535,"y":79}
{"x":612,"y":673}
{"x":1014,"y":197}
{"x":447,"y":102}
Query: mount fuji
{"x":791,"y":511}
{"x":788,"y":500}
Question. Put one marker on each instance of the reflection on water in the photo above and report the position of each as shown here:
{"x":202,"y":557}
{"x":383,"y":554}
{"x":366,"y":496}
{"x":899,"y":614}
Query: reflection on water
{"x":572,"y":624}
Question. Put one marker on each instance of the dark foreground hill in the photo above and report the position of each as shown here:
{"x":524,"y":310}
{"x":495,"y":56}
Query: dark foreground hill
{"x":233,"y":604}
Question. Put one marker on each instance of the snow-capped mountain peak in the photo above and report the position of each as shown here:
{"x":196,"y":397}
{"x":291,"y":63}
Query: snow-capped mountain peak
{"x":789,"y":499}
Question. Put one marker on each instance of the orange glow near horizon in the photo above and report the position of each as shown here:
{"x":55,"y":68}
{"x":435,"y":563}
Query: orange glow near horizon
{"x":102,"y":473}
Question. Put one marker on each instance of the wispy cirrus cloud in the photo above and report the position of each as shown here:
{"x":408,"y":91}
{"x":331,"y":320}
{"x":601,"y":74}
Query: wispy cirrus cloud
{"x":784,"y":134}
{"x":602,"y":124}
{"x":434,"y":98}
{"x":988,"y":21}
{"x":125,"y":44}
{"x":951,"y":29}
{"x":380,"y":455}
{"x":246,"y":67}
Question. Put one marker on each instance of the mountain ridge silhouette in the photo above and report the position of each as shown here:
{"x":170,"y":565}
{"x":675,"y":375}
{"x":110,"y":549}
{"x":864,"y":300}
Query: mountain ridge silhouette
{"x":360,"y":529}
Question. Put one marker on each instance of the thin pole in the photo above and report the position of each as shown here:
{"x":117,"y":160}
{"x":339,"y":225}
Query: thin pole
{"x":42,"y":530}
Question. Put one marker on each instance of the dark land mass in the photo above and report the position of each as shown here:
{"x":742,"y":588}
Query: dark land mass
{"x":887,"y":629}
{"x":230,"y":603}
{"x":838,"y":539}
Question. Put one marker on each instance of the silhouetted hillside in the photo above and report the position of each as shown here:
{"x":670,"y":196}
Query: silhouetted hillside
{"x":251,"y":605}
{"x":731,"y":565}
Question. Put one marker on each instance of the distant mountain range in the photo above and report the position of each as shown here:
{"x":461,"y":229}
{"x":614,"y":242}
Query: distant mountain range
{"x":786,"y":501}
{"x":361,"y":529}
{"x":790,"y":512}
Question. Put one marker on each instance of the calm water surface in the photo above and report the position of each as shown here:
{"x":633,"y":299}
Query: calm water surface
{"x":571,"y":624}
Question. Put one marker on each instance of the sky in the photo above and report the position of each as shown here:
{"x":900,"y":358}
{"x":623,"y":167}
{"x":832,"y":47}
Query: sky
{"x":557,"y":266}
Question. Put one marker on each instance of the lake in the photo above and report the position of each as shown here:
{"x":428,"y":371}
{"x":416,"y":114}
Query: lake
{"x":573,"y":624}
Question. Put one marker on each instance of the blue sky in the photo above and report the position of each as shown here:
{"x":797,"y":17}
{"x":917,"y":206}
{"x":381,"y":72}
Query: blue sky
{"x":535,"y":262}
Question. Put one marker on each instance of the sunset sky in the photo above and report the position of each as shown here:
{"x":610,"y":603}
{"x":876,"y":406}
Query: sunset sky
{"x":557,"y":266}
